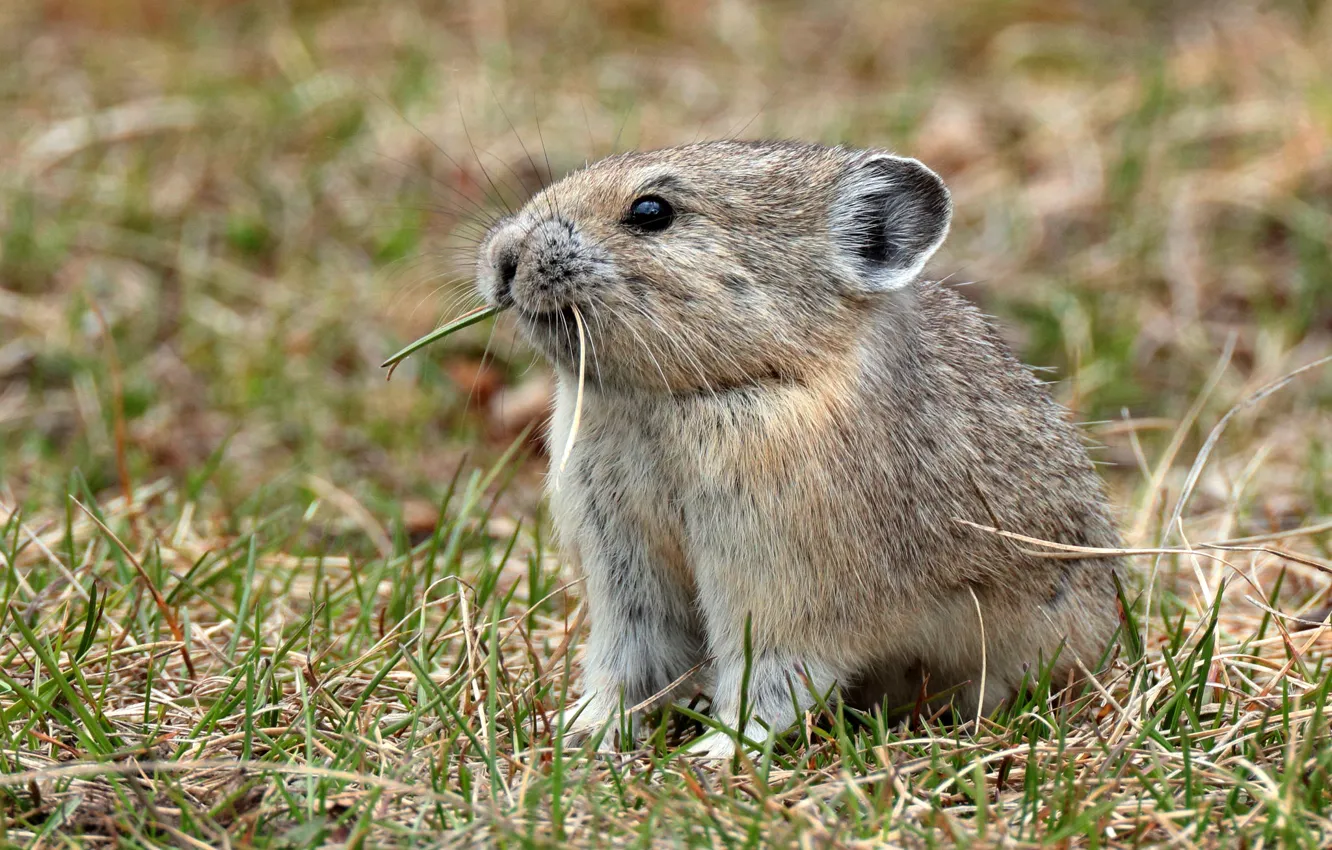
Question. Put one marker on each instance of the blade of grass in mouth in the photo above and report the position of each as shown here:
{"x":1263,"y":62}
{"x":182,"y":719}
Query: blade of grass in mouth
{"x":463,"y":321}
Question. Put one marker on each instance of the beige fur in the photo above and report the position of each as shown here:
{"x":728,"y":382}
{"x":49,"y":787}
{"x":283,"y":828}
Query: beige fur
{"x":781,"y":423}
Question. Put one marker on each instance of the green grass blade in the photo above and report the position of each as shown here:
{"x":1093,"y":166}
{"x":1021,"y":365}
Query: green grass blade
{"x":464,"y":321}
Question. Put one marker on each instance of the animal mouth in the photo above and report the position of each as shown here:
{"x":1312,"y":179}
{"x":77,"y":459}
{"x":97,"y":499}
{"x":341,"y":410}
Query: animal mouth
{"x":557,"y":320}
{"x":556,"y":330}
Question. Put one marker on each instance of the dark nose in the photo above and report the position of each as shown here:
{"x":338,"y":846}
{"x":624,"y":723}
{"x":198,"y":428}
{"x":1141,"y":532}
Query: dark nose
{"x":508,"y":268}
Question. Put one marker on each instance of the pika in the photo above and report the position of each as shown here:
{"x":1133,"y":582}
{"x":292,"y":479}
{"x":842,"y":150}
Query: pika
{"x":781,"y":425}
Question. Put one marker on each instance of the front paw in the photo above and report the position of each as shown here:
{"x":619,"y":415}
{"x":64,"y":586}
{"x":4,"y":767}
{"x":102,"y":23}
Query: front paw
{"x":713,"y":745}
{"x":592,"y":718}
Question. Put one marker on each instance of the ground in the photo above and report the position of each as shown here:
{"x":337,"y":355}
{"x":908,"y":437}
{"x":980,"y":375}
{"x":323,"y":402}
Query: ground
{"x":255,"y":594}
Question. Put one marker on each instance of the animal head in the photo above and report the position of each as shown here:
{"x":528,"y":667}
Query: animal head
{"x":713,"y":265}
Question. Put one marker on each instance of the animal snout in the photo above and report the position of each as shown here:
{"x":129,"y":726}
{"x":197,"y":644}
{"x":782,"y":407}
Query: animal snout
{"x":539,"y":269}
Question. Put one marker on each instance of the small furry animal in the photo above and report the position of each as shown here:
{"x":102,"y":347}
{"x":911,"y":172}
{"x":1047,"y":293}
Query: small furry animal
{"x":781,"y":427}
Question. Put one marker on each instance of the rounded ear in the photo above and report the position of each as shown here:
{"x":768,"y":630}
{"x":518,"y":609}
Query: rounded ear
{"x":890,"y":214}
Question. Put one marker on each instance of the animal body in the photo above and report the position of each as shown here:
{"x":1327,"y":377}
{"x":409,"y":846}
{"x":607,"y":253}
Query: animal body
{"x":780,"y":427}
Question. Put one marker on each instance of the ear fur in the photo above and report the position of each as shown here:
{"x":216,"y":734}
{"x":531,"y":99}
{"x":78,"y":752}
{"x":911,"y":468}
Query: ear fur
{"x":890,"y":214}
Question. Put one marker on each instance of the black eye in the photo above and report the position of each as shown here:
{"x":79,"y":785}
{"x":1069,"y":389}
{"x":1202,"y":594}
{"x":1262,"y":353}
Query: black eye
{"x":650,"y":213}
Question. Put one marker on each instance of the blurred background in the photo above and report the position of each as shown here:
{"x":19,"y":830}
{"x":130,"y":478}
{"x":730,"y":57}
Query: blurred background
{"x":217,"y":218}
